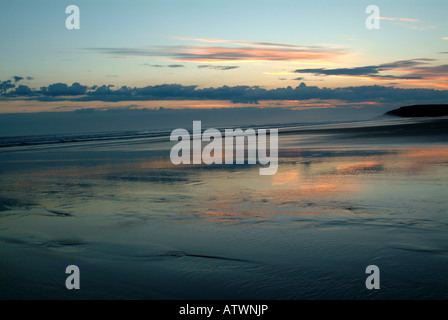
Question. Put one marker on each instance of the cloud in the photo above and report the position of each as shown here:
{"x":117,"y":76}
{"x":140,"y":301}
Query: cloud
{"x":61,"y":89}
{"x":209,"y":66}
{"x":151,"y":65}
{"x":224,"y":54}
{"x":17,"y":78}
{"x":445,"y":38}
{"x":175,"y":66}
{"x":298,"y":79}
{"x":234,"y":51}
{"x":399,"y":19}
{"x":235,"y":94}
{"x":414,"y":68}
{"x":439,"y":72}
{"x":215,"y":54}
{"x":6,"y":85}
{"x":11,"y":83}
{"x":428,"y":27}
{"x":163,"y":66}
{"x":23,"y":90}
{"x":409,"y":23}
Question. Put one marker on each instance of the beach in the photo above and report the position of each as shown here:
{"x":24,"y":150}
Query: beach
{"x":345,"y":196}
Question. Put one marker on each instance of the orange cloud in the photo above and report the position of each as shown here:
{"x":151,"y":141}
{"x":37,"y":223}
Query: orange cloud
{"x":249,"y":51}
{"x":226,"y":54}
{"x":405,"y":23}
{"x":399,"y":19}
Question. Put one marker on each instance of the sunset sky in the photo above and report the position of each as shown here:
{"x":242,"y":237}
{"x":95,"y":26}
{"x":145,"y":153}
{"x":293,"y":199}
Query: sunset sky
{"x":207,"y":54}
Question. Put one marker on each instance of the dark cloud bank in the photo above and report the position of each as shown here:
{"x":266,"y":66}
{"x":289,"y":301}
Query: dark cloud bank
{"x":385,"y":95}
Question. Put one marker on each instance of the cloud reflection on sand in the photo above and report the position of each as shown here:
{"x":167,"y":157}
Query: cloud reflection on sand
{"x":316,"y":185}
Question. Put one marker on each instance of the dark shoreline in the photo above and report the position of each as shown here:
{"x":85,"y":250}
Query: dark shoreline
{"x":421,"y":110}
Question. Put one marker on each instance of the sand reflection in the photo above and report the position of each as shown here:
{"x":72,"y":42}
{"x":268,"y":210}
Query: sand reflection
{"x":331,"y":182}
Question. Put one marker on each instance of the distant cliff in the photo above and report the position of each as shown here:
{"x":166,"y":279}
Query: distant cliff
{"x":421,"y":110}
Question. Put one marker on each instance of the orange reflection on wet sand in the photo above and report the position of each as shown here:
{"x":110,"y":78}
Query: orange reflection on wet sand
{"x":296,"y":188}
{"x":287,"y":178}
{"x":359,"y":167}
{"x":416,"y":159}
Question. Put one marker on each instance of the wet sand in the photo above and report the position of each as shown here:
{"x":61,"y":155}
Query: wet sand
{"x":139,"y":227}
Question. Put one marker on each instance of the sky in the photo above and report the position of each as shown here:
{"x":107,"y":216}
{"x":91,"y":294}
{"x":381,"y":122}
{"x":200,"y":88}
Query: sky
{"x":221,"y":54}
